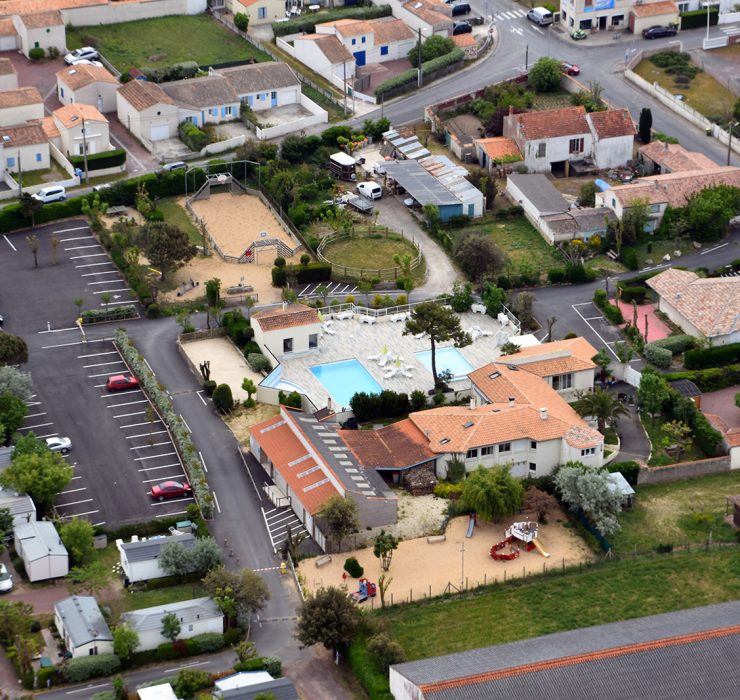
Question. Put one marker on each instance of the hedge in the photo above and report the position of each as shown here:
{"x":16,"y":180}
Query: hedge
{"x":116,"y":313}
{"x":402,"y":81}
{"x":307,"y":24}
{"x":258,"y":362}
{"x":612,"y":313}
{"x":272,"y":664}
{"x":660,"y":357}
{"x":178,"y":430}
{"x":637,"y":280}
{"x":304,"y":274}
{"x":98,"y":161}
{"x":200,"y":644}
{"x":629,"y":470}
{"x":628,"y":256}
{"x":12,"y":219}
{"x":386,"y":404}
{"x":708,"y":380}
{"x":630,"y":294}
{"x":78,"y":670}
{"x":698,"y":18}
{"x":194,"y":138}
{"x":677,"y":344}
{"x":712,"y":357}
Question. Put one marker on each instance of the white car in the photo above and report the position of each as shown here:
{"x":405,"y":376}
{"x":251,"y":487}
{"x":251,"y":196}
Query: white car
{"x":371,"y":190}
{"x":53,"y":193}
{"x":86,"y":62}
{"x":6,"y":580}
{"x":86,"y":53}
{"x":59,"y":444}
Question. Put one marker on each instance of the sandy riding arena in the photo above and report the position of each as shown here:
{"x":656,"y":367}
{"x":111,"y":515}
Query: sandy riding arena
{"x":235,"y":221}
{"x":421,"y":569}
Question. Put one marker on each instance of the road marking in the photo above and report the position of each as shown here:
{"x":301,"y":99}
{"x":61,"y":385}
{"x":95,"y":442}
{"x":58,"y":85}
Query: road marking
{"x":87,"y":255}
{"x":67,"y":230}
{"x":125,"y":415}
{"x":155,"y":432}
{"x":101,"y":364}
{"x":201,"y":398}
{"x":148,"y":365}
{"x":35,"y":415}
{"x":111,"y":395}
{"x":169,"y":515}
{"x":136,"y":425}
{"x":84,"y":488}
{"x":573,"y":306}
{"x":90,"y":284}
{"x":215,"y":500}
{"x":710,"y":250}
{"x":43,"y":437}
{"x":82,"y":247}
{"x":161,"y":478}
{"x":76,"y":238}
{"x":93,"y":264}
{"x":58,"y":330}
{"x":98,"y":354}
{"x":148,"y":447}
{"x":186,"y":425}
{"x":87,"y":512}
{"x":537,"y":29}
{"x":251,"y":478}
{"x":164,"y":466}
{"x":200,"y":454}
{"x":128,"y":403}
{"x":172,"y":500}
{"x":593,"y":318}
{"x":195,"y":663}
{"x":113,"y":303}
{"x":87,"y":687}
{"x":108,"y":291}
{"x":31,"y":427}
{"x":7,"y":240}
{"x":74,"y":503}
{"x":90,"y":274}
{"x":164,"y":454}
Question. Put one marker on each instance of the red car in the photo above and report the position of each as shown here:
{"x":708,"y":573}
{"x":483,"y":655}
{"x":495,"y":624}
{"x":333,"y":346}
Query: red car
{"x":171,"y":489}
{"x":570,"y":68}
{"x":119,"y":382}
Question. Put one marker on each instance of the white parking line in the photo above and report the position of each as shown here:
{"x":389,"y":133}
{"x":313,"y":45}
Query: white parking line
{"x":215,"y":500}
{"x":156,"y":432}
{"x":87,"y":512}
{"x":91,"y":274}
{"x":7,"y":240}
{"x":100,"y":364}
{"x":57,"y":330}
{"x":200,"y":454}
{"x":74,"y":238}
{"x":90,"y":284}
{"x":43,"y":437}
{"x":87,"y":255}
{"x":31,"y":427}
{"x":201,"y":398}
{"x":76,"y":228}
{"x":35,"y":415}
{"x":108,"y":291}
{"x":125,"y":415}
{"x":611,"y":350}
{"x":185,"y":424}
{"x":128,"y":403}
{"x":148,"y":447}
{"x":138,"y":425}
{"x":84,"y":488}
{"x":74,"y":503}
{"x":161,"y":478}
{"x":102,"y":374}
{"x":98,"y":354}
{"x":112,"y":395}
{"x":125,"y":301}
{"x":172,"y":500}
{"x":164,"y":454}
{"x":164,"y":466}
{"x":82,"y":247}
{"x":169,"y":515}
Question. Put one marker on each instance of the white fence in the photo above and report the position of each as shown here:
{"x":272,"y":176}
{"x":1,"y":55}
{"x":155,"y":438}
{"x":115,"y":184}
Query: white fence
{"x":318,"y":116}
{"x":728,"y":17}
{"x":225,"y":145}
{"x":60,"y":158}
{"x":116,"y":12}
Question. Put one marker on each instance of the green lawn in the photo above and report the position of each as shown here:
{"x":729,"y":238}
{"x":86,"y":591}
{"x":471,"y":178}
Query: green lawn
{"x":658,"y":249}
{"x":335,"y":112}
{"x":656,"y":435}
{"x":371,"y":254}
{"x":174,"y":214}
{"x":676,"y":513}
{"x":607,"y":592}
{"x":163,"y":41}
{"x":162,"y":596}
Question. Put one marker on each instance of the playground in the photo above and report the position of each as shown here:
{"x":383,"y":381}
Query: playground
{"x":427,"y":567}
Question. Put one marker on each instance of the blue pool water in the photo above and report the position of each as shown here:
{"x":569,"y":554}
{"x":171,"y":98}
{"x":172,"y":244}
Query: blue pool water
{"x":447,"y":358}
{"x":344,"y":379}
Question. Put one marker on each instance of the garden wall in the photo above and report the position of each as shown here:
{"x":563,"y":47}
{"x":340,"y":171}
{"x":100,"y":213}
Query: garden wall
{"x":683,"y":470}
{"x":115,"y":12}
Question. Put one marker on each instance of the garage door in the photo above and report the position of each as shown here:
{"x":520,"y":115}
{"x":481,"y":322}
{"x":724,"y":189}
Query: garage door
{"x":8,"y":43}
{"x":159,"y":132}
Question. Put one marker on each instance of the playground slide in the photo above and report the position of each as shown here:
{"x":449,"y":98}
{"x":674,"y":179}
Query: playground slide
{"x":539,"y":548}
{"x":471,"y":525}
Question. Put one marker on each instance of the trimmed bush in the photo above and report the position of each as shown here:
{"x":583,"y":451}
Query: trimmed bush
{"x":232,"y":636}
{"x":698,"y":18}
{"x":222,"y":398}
{"x":660,"y":357}
{"x":36,"y":54}
{"x":115,"y":313}
{"x":353,"y":567}
{"x":677,"y":344}
{"x":444,"y":489}
{"x":307,"y":24}
{"x":629,"y":258}
{"x":274,"y":666}
{"x":556,"y":275}
{"x":258,"y":362}
{"x":630,"y":471}
{"x":409,"y":79}
{"x":612,"y":313}
{"x":78,"y":670}
{"x":705,"y":436}
{"x":208,"y":641}
{"x":98,"y":161}
{"x":194,"y":138}
{"x":386,"y":404}
{"x":630,"y":294}
{"x":43,"y":675}
{"x":712,"y":357}
{"x":708,"y":380}
{"x":279,"y":277}
{"x":313,"y":272}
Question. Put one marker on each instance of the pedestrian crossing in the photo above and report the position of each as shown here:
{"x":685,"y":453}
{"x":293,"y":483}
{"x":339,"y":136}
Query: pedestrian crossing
{"x":730,"y":29}
{"x":509,"y":15}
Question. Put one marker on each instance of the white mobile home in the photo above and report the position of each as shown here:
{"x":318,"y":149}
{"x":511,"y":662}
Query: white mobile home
{"x":140,"y":558}
{"x":39,"y":546}
{"x":82,"y":627}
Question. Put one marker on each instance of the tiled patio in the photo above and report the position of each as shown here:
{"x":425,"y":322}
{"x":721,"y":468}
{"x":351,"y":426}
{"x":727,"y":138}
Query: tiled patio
{"x":353,"y":339}
{"x":657,"y":330}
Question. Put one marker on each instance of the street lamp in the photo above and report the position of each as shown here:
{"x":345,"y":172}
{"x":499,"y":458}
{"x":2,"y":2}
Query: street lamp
{"x":730,"y":127}
{"x":708,"y":5}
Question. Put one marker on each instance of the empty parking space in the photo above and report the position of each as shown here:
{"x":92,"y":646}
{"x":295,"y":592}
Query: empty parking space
{"x":278,"y":521}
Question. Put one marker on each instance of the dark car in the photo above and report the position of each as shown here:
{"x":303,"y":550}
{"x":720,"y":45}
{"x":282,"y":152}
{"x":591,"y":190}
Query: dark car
{"x":119,"y":382}
{"x":658,"y":31}
{"x":171,"y":489}
{"x":570,"y":68}
{"x":461,"y":28}
{"x":460,"y":8}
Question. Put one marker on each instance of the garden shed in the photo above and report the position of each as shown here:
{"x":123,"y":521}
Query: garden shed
{"x":39,"y":546}
{"x":620,"y":484}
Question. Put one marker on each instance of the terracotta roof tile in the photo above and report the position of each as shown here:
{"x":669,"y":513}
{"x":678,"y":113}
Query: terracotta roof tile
{"x":50,"y":128}
{"x":289,"y":317}
{"x":712,"y":304}
{"x":75,"y":77}
{"x":389,"y":30}
{"x":7,"y":28}
{"x":20,"y":97}
{"x":612,"y":123}
{"x":40,"y":20}
{"x":30,"y":134}
{"x":578,"y":348}
{"x":653,"y":9}
{"x":552,"y":123}
{"x":396,"y":446}
{"x":72,"y":115}
{"x":499,"y":147}
{"x":334,"y":50}
{"x":675,"y":157}
{"x":141,"y":94}
{"x":200,"y":93}
{"x":20,"y":7}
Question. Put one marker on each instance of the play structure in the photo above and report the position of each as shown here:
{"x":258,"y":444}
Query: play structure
{"x":367,"y":590}
{"x":526,"y":532}
{"x":471,"y":525}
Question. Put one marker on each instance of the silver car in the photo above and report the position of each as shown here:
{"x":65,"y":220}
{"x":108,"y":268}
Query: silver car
{"x":59,"y":444}
{"x":6,"y":580}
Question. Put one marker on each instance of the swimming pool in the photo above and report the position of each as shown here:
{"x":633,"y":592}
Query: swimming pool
{"x":344,"y":379}
{"x":447,"y":358}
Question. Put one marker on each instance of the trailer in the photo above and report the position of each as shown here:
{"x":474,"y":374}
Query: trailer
{"x":343,"y":166}
{"x":358,"y":202}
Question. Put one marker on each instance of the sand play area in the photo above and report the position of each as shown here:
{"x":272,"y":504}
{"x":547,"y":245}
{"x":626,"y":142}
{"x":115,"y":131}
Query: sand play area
{"x":235,"y":221}
{"x":421,"y":569}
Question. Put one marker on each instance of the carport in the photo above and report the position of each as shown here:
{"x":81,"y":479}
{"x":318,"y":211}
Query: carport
{"x":424,"y":187}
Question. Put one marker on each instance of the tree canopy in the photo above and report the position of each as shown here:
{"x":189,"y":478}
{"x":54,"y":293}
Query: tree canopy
{"x":41,"y":476}
{"x":433,"y":47}
{"x":12,"y":414}
{"x":708,"y":212}
{"x":15,"y":382}
{"x":544,"y":76}
{"x":340,"y":515}
{"x":77,"y":535}
{"x":13,"y":350}
{"x":601,"y":405}
{"x":592,"y":491}
{"x":237,"y":594}
{"x":328,"y":617}
{"x":167,"y":246}
{"x":383,"y":548}
{"x":478,"y":255}
{"x":492,"y":492}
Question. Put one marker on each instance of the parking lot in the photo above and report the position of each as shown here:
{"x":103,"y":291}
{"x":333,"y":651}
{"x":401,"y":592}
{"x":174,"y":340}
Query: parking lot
{"x":119,"y":446}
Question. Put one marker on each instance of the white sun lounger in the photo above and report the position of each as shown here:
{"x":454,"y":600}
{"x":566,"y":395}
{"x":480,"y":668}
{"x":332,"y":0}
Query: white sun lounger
{"x":344,"y":315}
{"x":328,"y":329}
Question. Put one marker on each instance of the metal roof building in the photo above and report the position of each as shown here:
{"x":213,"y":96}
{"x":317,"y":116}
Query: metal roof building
{"x":82,"y":626}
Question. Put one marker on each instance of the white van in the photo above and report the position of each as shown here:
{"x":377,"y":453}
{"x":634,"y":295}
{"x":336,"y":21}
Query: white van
{"x":540,"y":15}
{"x":55,"y":193}
{"x":371,"y":190}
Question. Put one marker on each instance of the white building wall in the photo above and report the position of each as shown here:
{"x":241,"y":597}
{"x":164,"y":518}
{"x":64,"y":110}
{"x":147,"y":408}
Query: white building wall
{"x":556,"y":150}
{"x":613,"y":152}
{"x":141,"y":124}
{"x":262,"y":12}
{"x":33,"y":157}
{"x":116,"y":12}
{"x":151,"y":639}
{"x":274,"y":339}
{"x":10,"y":116}
{"x":52,"y":566}
{"x":141,"y":570}
{"x":102,"y":96}
{"x":44,"y":37}
{"x":97,"y":138}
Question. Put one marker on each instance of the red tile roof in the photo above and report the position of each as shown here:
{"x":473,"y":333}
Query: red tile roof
{"x":653,"y":9}
{"x":289,"y":317}
{"x":397,"y":446}
{"x":499,"y":147}
{"x":612,"y":123}
{"x":552,"y":123}
{"x":675,"y":158}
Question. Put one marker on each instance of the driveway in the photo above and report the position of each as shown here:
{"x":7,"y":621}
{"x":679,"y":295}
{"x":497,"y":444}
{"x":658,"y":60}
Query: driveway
{"x":441,"y":274}
{"x":722,"y":403}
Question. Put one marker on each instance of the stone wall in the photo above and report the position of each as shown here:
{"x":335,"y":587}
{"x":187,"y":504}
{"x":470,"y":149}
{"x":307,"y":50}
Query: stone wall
{"x":683,"y":470}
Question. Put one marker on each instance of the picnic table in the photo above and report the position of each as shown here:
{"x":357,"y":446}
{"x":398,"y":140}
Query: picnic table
{"x":115,"y":211}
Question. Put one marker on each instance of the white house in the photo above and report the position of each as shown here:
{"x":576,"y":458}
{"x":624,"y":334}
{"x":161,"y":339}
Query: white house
{"x":614,"y":136}
{"x":140,"y":558}
{"x":81,"y":128}
{"x":163,"y":691}
{"x":8,"y":35}
{"x":259,"y":11}
{"x":24,"y":147}
{"x":263,"y":85}
{"x":82,"y":627}
{"x":660,"y":158}
{"x":20,"y":506}
{"x":196,"y":616}
{"x":706,"y":308}
{"x":20,"y":105}
{"x":204,"y":100}
{"x":40,"y":30}
{"x":92,"y":85}
{"x":44,"y":555}
{"x":325,"y":54}
{"x":618,"y":15}
{"x":294,"y":328}
{"x":8,"y":76}
{"x":247,"y":685}
{"x":147,"y":111}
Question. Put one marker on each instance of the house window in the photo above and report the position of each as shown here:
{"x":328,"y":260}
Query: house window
{"x":273,"y":95}
{"x":383,"y":50}
{"x":683,"y":6}
{"x":189,"y":120}
{"x":618,"y":19}
{"x":541,"y":149}
{"x":190,"y":628}
{"x":472,"y":454}
{"x":228,"y":111}
{"x":288,"y":345}
{"x":363,"y":39}
{"x":83,"y":148}
{"x":354,"y":41}
{"x":10,"y":163}
{"x":588,"y":451}
{"x":533,"y":466}
{"x":562,"y":381}
{"x":485,"y":451}
{"x":585,"y":24}
{"x":654,"y":208}
{"x":504,"y":447}
{"x":533,"y":444}
{"x":614,"y":202}
{"x":61,"y":92}
{"x":38,"y":158}
{"x":575,"y":146}
{"x":261,"y":13}
{"x":313,"y":340}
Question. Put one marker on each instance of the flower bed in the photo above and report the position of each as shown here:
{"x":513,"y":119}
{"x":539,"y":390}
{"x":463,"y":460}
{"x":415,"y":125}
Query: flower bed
{"x":119,"y":313}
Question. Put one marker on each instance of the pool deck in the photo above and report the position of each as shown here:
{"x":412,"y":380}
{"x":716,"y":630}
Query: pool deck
{"x":353,"y":339}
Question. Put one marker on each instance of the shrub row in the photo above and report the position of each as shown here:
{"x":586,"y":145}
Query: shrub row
{"x":200,"y":644}
{"x":405,"y":80}
{"x":677,"y":344}
{"x":98,"y":161}
{"x":272,"y":664}
{"x":698,"y":18}
{"x":708,"y":380}
{"x":386,"y":404}
{"x":630,"y":471}
{"x":630,"y":294}
{"x":117,"y":313}
{"x":307,"y":24}
{"x":637,"y":280}
{"x":192,"y":136}
{"x":12,"y":218}
{"x":712,"y":357}
{"x":660,"y":357}
{"x":612,"y":313}
{"x":304,"y":274}
{"x":78,"y":670}
{"x":180,"y":433}
{"x":238,"y":328}
{"x":258,"y":362}
{"x":177,"y":71}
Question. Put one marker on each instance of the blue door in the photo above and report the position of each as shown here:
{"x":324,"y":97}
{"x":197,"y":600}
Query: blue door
{"x":359,"y":58}
{"x":273,"y":99}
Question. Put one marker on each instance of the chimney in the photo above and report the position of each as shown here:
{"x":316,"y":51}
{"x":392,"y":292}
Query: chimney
{"x":328,"y":403}
{"x":472,"y":404}
{"x":543,"y":414}
{"x":511,"y":110}
{"x":511,"y":401}
{"x":665,"y":145}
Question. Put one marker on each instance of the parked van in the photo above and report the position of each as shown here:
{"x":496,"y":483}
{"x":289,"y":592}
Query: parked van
{"x":55,"y":193}
{"x":540,"y":15}
{"x":371,"y":190}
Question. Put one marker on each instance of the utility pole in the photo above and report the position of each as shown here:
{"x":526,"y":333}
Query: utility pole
{"x":418,"y":58}
{"x":20,"y":172}
{"x":526,"y":58}
{"x":84,"y":150}
{"x":730,"y":127}
{"x":344,"y":70}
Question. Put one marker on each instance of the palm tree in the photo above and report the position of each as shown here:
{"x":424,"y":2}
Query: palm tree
{"x":599,"y":404}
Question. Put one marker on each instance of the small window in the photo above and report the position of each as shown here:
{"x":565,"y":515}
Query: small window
{"x":533,"y":444}
{"x":504,"y":447}
{"x":354,"y":41}
{"x":683,"y":6}
{"x":313,"y":340}
{"x":190,"y":628}
{"x":533,"y":466}
{"x":61,"y":92}
{"x":10,"y":162}
{"x":485,"y":451}
{"x":363,"y":39}
{"x":39,"y":158}
{"x":261,"y":13}
{"x":618,"y":19}
{"x":273,"y":95}
{"x":288,"y":345}
{"x":575,"y":146}
{"x":541,"y":150}
{"x":562,"y":381}
{"x":614,"y":202}
{"x":585,"y":24}
{"x":228,"y":110}
{"x":588,"y":451}
{"x":383,"y":50}
{"x":472,"y":454}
